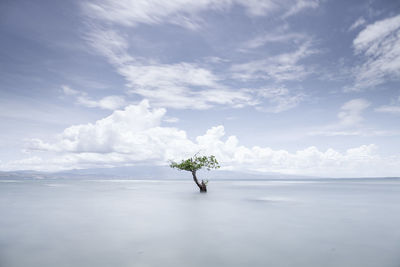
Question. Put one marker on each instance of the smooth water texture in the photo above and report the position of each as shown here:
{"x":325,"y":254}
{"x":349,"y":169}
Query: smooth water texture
{"x":84,"y":223}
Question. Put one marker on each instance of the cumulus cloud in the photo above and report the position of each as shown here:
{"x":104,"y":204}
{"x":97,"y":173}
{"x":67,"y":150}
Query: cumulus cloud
{"x":135,"y":135}
{"x":379,"y":46}
{"x":134,"y":130}
{"x":127,"y":136}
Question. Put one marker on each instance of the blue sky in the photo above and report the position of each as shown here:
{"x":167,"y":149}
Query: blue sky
{"x":300,"y":87}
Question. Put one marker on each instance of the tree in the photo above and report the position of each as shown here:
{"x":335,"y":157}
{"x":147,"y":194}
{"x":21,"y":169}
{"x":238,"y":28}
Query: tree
{"x":194,"y":164}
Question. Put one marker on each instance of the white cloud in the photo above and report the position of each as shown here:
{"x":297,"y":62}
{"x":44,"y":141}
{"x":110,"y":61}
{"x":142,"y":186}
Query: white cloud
{"x":389,"y":109}
{"x":181,"y":85}
{"x":280,"y":98}
{"x":109,"y":43}
{"x":356,"y":132}
{"x":351,"y":112}
{"x":128,"y":136}
{"x":278,"y":68}
{"x":185,"y":85}
{"x":369,"y":39}
{"x":394,"y":108}
{"x":350,"y":121}
{"x":189,"y":86}
{"x":301,"y":5}
{"x":109,"y":102}
{"x":166,"y":75}
{"x":133,"y":130}
{"x":135,"y":136}
{"x":275,"y":37}
{"x":185,"y":13}
{"x":358,"y":23}
{"x":69,"y":91}
{"x":133,"y":12}
{"x":171,"y":119}
{"x":379,"y":43}
{"x":282,"y":67}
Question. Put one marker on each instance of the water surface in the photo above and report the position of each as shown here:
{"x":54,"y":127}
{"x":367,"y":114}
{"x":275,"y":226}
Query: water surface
{"x":84,"y":223}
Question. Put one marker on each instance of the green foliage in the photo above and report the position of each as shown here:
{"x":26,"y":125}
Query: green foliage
{"x":196,"y":163}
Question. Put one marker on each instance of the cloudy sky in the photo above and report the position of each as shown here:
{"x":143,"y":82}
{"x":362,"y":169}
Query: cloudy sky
{"x":307,"y":87}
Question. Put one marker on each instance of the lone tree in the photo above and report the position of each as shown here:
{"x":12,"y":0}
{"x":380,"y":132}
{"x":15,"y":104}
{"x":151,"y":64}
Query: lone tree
{"x":194,"y":164}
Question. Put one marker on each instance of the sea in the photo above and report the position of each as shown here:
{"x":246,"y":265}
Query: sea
{"x":149,"y":223}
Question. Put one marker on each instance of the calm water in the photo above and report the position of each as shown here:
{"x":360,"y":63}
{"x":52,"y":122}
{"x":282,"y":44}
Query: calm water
{"x":78,"y":223}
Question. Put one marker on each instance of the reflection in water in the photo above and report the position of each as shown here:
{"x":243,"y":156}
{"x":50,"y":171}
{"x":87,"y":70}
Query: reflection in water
{"x":151,"y":223}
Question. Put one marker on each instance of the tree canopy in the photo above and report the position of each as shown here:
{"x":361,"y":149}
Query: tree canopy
{"x":196,"y":163}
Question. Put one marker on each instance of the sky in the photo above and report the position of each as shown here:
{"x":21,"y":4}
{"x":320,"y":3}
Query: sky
{"x":306,"y":87}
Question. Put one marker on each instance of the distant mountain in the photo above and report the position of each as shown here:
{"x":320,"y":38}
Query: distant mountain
{"x":24,"y":175}
{"x":144,"y":172}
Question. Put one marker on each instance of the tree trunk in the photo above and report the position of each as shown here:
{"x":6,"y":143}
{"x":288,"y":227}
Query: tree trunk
{"x":202,"y":186}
